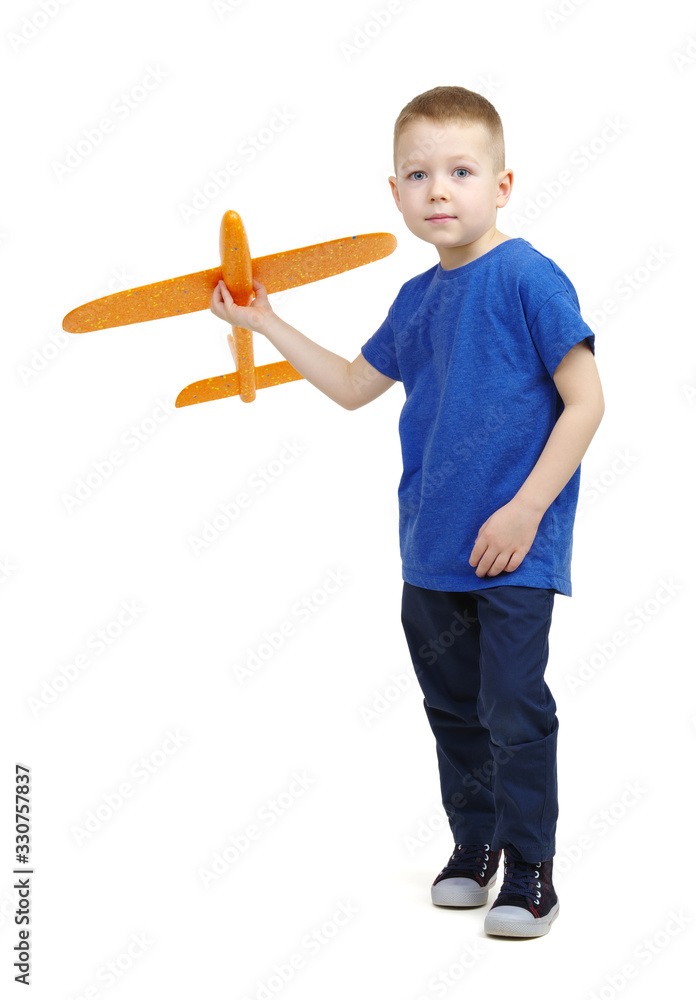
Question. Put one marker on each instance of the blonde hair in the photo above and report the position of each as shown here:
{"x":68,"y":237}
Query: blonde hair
{"x":448,"y":104}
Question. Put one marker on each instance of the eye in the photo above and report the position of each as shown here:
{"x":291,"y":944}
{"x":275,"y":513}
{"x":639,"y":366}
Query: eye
{"x":417,"y":172}
{"x":460,"y":170}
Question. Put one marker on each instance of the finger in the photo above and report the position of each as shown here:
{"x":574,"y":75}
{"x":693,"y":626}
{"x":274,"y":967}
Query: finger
{"x":515,"y":561}
{"x":498,"y":565}
{"x":483,"y":566}
{"x":260,"y":290}
{"x":486,"y":560}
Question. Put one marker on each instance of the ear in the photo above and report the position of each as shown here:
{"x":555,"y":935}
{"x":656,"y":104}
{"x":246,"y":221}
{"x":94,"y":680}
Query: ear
{"x":395,"y":192}
{"x":505,"y":179}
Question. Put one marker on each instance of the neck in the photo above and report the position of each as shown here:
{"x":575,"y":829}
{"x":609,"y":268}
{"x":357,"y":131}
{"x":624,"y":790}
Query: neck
{"x":451,"y":257}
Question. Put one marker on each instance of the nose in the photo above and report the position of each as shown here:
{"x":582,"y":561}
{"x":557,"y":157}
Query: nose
{"x":438,"y":189}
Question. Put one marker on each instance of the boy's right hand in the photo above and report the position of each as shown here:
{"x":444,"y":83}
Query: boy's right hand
{"x":251,"y":317}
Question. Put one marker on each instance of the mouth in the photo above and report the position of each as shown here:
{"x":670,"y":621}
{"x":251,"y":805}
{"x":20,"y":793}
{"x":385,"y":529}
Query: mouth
{"x":439,"y":218}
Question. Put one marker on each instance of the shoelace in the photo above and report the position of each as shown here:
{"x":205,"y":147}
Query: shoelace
{"x":464,"y":858}
{"x":521,"y":880}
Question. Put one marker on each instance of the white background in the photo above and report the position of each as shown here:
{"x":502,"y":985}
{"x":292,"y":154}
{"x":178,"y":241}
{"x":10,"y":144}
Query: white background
{"x":127,"y":819}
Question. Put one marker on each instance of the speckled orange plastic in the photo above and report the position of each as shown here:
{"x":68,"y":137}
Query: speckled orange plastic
{"x":185,"y":294}
{"x":193,"y":292}
{"x":289,"y":269}
{"x":235,"y":263}
{"x":228,"y":385}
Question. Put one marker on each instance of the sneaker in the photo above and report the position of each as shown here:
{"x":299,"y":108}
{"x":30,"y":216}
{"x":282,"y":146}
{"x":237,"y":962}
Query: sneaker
{"x":467,"y":877}
{"x":527,"y":903}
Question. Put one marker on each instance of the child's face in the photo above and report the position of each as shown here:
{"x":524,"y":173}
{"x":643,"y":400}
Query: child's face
{"x":446,"y":169}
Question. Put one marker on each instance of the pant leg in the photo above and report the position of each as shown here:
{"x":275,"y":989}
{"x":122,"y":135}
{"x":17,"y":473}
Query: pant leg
{"x":442,"y":632}
{"x":518,"y":709}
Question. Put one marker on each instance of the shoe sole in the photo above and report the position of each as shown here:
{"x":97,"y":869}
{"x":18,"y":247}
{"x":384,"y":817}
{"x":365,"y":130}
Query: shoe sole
{"x":508,"y":921}
{"x":460,"y":892}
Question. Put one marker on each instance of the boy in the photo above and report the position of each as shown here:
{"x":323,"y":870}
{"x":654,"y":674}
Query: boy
{"x":502,"y":400}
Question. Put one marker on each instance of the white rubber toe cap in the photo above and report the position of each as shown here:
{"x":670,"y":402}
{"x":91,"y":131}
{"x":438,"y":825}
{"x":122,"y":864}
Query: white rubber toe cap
{"x":460,"y":892}
{"x":515,"y":921}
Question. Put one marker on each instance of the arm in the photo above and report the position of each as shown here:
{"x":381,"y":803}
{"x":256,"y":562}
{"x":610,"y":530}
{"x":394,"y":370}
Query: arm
{"x":507,"y":536}
{"x":351,"y":384}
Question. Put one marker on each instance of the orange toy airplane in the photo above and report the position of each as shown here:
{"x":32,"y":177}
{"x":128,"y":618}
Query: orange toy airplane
{"x":192,"y":292}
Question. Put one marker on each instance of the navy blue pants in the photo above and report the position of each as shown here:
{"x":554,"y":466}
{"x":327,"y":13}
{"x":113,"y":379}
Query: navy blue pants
{"x":480,"y":657}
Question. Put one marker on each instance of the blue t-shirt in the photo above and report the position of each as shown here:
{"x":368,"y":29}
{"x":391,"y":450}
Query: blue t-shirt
{"x":476,"y":348}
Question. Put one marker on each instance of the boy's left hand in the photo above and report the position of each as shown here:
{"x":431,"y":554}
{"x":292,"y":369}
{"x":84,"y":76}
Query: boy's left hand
{"x":504,"y":539}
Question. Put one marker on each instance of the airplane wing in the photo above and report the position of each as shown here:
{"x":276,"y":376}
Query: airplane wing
{"x":291,"y":268}
{"x":221,"y":386}
{"x":192,"y":292}
{"x":185,"y":294}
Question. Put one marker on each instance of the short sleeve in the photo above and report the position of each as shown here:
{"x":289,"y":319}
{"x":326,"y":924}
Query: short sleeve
{"x":380,"y":349}
{"x":557,"y":327}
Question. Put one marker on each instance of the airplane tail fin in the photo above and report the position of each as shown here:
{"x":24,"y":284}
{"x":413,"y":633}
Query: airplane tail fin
{"x":221,"y":386}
